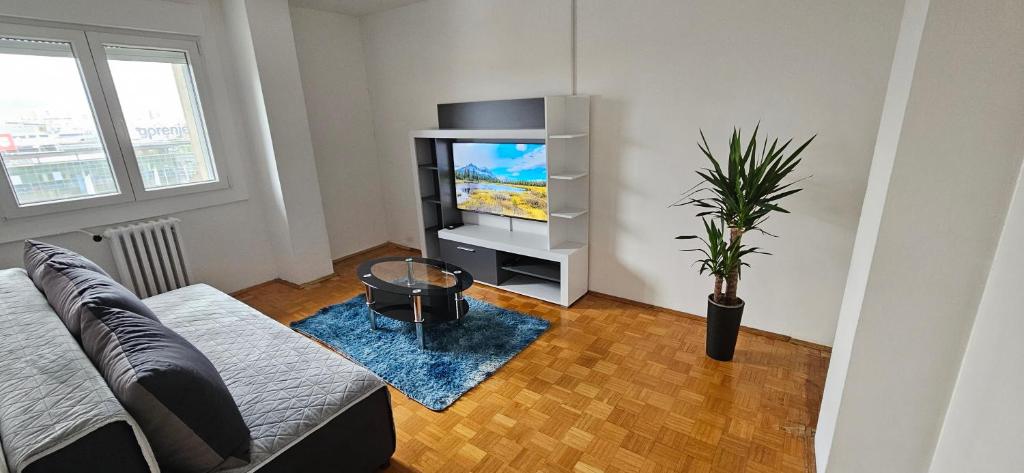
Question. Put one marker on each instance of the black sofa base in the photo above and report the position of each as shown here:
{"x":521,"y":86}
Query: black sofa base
{"x":112,"y":447}
{"x":361,"y":439}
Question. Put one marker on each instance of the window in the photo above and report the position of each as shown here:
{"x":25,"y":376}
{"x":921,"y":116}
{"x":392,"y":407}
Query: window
{"x":92,"y":118}
{"x":161,"y":110}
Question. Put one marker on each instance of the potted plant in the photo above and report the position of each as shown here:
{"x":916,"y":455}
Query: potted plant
{"x":737,"y":196}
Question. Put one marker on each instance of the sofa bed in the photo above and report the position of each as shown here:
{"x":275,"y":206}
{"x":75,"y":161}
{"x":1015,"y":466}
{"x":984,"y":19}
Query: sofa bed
{"x":92,"y":379}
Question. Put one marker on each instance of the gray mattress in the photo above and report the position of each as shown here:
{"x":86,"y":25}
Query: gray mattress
{"x":52,"y":396}
{"x":286,"y":386}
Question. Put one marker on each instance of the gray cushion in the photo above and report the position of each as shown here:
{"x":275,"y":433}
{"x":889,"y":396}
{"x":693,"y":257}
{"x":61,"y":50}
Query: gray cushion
{"x":52,"y":398}
{"x":38,"y":253}
{"x":103,"y":291}
{"x":169,"y":387}
{"x":286,"y":385}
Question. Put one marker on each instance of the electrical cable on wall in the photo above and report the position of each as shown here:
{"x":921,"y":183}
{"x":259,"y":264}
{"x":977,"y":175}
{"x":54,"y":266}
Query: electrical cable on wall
{"x":95,"y":237}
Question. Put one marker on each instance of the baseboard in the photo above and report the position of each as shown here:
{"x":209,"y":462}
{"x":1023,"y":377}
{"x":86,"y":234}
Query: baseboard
{"x":387,"y":244}
{"x":403,"y":247}
{"x":400,"y":247}
{"x":360,"y":252}
{"x":343,"y":259}
{"x":743,"y":328}
{"x":283,"y":283}
{"x":257,"y":287}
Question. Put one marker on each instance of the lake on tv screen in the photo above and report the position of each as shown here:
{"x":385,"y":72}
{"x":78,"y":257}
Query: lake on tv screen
{"x":502,"y":178}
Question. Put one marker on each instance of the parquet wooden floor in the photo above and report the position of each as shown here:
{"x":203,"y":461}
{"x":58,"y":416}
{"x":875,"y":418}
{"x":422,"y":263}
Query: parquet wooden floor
{"x":613,"y":386}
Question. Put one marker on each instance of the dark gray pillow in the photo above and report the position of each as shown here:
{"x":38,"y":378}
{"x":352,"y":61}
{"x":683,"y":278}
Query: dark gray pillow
{"x":38,"y":253}
{"x":168,"y":386}
{"x":102,"y":290}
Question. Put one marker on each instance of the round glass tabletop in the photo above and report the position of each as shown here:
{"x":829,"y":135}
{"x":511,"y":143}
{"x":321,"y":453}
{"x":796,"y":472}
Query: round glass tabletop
{"x":405,"y":275}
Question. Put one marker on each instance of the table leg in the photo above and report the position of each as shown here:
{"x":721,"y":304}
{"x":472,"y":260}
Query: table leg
{"x":417,"y":317}
{"x":369,"y":308}
{"x":458,"y":305}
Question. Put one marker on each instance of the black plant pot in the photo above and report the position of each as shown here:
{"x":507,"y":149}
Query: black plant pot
{"x":723,"y":328}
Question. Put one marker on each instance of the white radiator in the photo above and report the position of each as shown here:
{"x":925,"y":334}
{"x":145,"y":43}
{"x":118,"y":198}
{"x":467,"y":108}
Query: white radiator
{"x":150,"y":256}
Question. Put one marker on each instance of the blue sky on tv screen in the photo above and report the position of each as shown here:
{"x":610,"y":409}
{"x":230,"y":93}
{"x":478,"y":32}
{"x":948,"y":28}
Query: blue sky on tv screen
{"x":509,"y":161}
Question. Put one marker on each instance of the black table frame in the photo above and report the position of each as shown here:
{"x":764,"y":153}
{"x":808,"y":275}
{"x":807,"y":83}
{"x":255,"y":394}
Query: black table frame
{"x":418,"y":304}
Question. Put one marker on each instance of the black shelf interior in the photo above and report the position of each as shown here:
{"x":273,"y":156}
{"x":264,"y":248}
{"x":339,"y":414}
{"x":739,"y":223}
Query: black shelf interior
{"x":533,"y":267}
{"x":429,"y":166}
{"x":432,"y":198}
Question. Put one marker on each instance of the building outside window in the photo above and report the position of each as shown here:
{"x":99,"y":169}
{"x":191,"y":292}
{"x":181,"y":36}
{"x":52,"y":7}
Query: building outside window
{"x":91,"y":118}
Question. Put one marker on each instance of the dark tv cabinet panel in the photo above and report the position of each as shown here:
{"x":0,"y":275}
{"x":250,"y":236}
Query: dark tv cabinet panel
{"x":492,"y":114}
{"x":482,"y":263}
{"x":427,"y":183}
{"x":451,"y":216}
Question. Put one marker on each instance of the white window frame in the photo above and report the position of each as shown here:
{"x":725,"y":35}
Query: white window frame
{"x":104,"y":124}
{"x":97,"y":41}
{"x":88,"y":48}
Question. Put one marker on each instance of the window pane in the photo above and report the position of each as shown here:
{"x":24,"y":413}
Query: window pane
{"x":161,"y":109}
{"x":49,"y":143}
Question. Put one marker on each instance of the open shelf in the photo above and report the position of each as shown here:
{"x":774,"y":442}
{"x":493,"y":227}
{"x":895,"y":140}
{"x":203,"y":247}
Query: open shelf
{"x":569,"y":213}
{"x":567,"y":136}
{"x":431,"y":167}
{"x":537,"y":269}
{"x":533,"y":287}
{"x":568,"y":245}
{"x":569,"y":176}
{"x":432,"y":199}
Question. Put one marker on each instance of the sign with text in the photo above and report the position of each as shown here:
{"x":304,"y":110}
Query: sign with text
{"x":7,"y":142}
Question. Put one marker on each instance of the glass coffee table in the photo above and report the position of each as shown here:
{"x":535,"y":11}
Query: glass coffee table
{"x":417,"y":290}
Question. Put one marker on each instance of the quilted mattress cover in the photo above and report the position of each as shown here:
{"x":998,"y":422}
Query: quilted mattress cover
{"x":51,"y":393}
{"x":286,"y":385}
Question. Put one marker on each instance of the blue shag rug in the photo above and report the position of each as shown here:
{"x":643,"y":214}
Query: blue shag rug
{"x":459,"y":355}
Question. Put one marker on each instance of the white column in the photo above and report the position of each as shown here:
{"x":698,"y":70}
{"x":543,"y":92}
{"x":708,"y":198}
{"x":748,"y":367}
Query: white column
{"x":937,"y":198}
{"x":890,"y":126}
{"x":271,"y":91}
{"x":982,"y":431}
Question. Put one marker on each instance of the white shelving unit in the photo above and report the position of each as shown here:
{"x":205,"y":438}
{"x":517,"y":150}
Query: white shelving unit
{"x":567,"y":121}
{"x":569,"y":213}
{"x":551,"y":258}
{"x":569,"y":177}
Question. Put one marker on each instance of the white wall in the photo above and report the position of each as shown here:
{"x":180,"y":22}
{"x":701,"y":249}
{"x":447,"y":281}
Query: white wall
{"x":957,"y":159}
{"x":226,"y":247}
{"x":330,"y":51}
{"x":893,"y":113}
{"x":226,"y":229}
{"x":443,"y":51}
{"x":659,"y":71}
{"x":982,"y":432}
{"x":662,"y":70}
{"x":276,"y":119}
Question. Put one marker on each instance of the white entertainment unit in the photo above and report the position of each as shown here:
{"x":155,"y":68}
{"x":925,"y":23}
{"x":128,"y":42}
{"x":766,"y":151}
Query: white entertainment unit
{"x":545,"y":260}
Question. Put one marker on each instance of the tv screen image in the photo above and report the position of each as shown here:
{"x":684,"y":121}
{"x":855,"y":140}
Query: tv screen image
{"x":508,"y":179}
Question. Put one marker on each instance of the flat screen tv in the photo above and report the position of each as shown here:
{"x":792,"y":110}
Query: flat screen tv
{"x":508,"y":179}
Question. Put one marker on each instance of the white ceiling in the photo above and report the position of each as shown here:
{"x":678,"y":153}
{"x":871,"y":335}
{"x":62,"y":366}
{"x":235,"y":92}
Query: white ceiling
{"x":353,"y":7}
